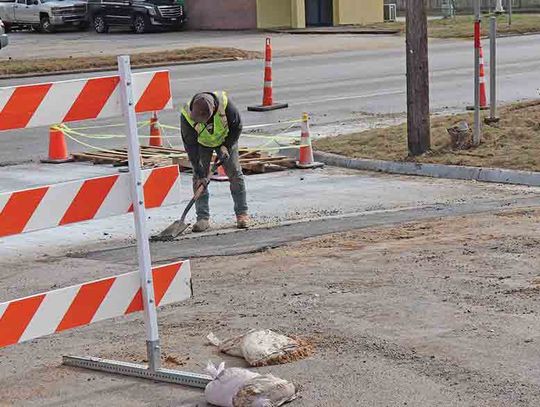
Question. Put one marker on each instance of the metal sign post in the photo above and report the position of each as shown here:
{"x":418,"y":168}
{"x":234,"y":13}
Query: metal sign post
{"x":493,"y":116}
{"x":154,"y":370}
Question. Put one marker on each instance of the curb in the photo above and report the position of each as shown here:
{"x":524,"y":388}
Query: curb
{"x":335,"y":32}
{"x":112,"y":68}
{"x":497,"y":175}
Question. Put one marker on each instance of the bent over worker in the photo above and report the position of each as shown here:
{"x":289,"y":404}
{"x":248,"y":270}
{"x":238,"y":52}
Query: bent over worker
{"x":210,"y":122}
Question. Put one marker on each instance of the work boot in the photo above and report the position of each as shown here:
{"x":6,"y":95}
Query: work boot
{"x":242,"y":221}
{"x":201,"y":225}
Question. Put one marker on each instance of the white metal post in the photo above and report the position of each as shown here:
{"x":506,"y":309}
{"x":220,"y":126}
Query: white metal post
{"x":137,"y":193}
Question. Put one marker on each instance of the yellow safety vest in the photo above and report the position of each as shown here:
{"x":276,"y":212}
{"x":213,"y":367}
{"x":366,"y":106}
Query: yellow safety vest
{"x":221,"y":125}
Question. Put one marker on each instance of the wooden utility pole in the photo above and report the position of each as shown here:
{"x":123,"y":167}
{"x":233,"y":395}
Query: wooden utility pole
{"x":418,"y":123}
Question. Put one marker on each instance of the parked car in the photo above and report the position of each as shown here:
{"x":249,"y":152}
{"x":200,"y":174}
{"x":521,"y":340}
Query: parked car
{"x":43,"y":15}
{"x":140,"y":15}
{"x":3,"y":36}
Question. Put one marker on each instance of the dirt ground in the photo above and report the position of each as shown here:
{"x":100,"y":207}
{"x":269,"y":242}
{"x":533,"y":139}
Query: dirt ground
{"x":513,"y":142}
{"x":442,"y":312}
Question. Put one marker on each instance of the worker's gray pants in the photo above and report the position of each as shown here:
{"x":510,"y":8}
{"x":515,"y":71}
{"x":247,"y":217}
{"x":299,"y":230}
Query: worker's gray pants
{"x":233,"y":170}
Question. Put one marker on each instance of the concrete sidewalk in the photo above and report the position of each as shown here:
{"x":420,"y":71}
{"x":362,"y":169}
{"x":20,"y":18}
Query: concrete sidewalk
{"x":341,"y":29}
{"x":273,"y":198}
{"x":74,"y":44}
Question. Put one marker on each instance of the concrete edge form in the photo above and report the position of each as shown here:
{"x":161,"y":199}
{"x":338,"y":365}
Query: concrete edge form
{"x":497,"y":175}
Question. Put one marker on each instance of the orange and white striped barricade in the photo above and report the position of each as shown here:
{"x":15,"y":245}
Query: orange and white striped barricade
{"x":52,"y":103}
{"x":58,"y":310}
{"x":76,"y":201}
{"x":50,"y":206}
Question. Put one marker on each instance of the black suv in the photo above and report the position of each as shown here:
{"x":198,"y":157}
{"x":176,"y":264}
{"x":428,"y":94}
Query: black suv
{"x":141,"y":15}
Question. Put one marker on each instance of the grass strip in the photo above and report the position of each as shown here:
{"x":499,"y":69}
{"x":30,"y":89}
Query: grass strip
{"x":53,"y":65}
{"x":512,"y":143}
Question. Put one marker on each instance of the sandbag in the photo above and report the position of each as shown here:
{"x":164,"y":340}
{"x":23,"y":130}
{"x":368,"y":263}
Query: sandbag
{"x":264,"y":391}
{"x":263,"y":347}
{"x":225,"y":384}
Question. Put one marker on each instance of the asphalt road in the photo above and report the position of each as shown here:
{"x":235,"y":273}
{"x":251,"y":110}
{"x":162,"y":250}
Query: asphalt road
{"x":343,"y":91}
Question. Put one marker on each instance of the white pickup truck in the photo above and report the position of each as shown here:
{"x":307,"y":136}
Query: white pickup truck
{"x":43,"y":15}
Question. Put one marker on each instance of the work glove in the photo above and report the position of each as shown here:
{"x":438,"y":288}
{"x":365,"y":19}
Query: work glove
{"x":223,"y":154}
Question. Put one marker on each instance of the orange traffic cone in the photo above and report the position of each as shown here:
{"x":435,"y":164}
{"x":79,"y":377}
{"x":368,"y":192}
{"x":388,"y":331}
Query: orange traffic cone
{"x":57,"y":147}
{"x":268,"y":98}
{"x":155,"y":132}
{"x":482,"y":78}
{"x":483,"y":98}
{"x":220,"y":175}
{"x":306,"y":152}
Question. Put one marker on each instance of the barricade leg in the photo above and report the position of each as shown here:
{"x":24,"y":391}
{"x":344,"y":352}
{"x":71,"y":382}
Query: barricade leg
{"x":136,"y":370}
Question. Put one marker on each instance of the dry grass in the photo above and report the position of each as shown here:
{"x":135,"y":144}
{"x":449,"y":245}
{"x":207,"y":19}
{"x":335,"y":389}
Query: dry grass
{"x":26,"y":66}
{"x":514,"y":142}
{"x":462,"y":26}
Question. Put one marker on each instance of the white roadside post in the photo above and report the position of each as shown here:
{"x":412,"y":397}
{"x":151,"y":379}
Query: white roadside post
{"x":153,"y":371}
{"x":141,"y":230}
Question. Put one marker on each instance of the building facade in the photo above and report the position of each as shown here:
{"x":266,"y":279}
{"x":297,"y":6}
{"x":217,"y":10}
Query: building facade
{"x":261,"y":14}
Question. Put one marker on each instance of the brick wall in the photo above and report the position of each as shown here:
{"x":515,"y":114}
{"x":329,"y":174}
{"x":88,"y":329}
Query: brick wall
{"x":221,"y":14}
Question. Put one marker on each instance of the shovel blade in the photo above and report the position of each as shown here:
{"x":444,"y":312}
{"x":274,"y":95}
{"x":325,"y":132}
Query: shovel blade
{"x":171,"y":232}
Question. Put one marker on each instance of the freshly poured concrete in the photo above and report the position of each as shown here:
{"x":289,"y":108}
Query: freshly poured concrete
{"x":273,"y":198}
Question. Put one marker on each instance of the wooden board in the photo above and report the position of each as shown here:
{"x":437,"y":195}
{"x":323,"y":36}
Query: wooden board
{"x":252,"y":162}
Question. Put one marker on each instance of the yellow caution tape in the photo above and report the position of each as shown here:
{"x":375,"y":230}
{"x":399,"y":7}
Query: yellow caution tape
{"x":77,"y":132}
{"x":261,"y":148}
{"x":258,"y":126}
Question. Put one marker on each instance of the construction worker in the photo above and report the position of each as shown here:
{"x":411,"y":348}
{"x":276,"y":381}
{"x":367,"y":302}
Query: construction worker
{"x":210,"y":122}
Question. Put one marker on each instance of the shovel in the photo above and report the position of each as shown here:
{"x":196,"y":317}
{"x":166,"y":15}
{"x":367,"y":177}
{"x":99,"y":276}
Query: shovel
{"x":178,"y":227}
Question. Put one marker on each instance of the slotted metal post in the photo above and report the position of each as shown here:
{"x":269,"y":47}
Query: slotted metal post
{"x":137,"y":194}
{"x":493,"y":115}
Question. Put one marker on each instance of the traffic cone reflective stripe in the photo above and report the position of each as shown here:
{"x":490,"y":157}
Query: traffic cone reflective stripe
{"x":58,"y":152}
{"x":306,"y":151}
{"x":155,"y":132}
